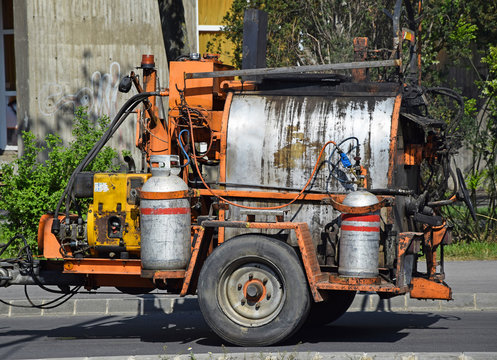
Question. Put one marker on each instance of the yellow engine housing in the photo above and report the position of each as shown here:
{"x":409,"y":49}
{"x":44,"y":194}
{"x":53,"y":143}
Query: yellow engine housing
{"x":114,"y":217}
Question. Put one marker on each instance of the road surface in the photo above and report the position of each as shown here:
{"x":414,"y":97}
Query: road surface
{"x":35,"y":337}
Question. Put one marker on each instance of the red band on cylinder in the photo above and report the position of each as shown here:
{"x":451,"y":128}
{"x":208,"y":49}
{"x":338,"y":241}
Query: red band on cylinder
{"x":368,"y":218}
{"x":164,"y":211}
{"x":361,"y":228}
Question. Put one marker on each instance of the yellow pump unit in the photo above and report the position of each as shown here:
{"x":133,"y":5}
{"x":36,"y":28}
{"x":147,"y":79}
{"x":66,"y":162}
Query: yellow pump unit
{"x":115,"y":223}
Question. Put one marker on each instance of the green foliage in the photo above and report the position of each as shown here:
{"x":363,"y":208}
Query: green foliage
{"x":483,"y":141}
{"x":461,"y":33}
{"x":302,"y":32}
{"x":454,"y":33}
{"x":471,"y":251}
{"x":285,"y":28}
{"x":32,"y":188}
{"x":490,"y":85}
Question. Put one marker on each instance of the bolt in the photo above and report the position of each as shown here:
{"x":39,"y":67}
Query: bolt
{"x":251,"y":276}
{"x":268,"y":296}
{"x":257,"y":306}
{"x":243,"y":301}
{"x":264,"y":281}
{"x":239,"y":286}
{"x":252,"y":290}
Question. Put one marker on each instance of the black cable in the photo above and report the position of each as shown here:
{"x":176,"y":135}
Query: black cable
{"x":116,"y":122}
{"x":332,"y":167}
{"x":46,"y":306}
{"x":30,"y":259}
{"x":30,"y":265}
{"x":424,"y":185}
{"x":454,"y":95}
{"x":295,"y":214}
{"x":5,"y":246}
{"x":43,"y":306}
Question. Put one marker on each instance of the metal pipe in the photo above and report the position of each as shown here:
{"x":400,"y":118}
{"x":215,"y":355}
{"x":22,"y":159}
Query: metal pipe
{"x":392,"y":192}
{"x":45,"y":277}
{"x":296,"y":69}
{"x":131,"y":163}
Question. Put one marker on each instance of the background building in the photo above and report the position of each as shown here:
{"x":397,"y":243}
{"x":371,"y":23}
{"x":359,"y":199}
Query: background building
{"x":58,"y":54}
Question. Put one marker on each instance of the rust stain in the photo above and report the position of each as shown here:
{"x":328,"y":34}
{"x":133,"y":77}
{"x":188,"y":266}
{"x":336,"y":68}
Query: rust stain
{"x":287,"y":156}
{"x":297,"y":148}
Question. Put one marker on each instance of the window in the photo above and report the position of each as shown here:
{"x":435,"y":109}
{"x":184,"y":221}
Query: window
{"x":8,"y":104}
{"x":210,"y":15}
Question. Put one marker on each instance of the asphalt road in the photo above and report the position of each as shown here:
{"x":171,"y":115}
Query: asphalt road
{"x":35,"y":338}
{"x":30,"y":337}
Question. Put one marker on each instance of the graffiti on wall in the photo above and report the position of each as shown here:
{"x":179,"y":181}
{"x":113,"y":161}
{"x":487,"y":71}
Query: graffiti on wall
{"x":100,"y":98}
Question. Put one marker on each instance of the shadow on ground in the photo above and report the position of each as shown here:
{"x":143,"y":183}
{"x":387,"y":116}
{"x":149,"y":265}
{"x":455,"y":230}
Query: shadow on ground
{"x":186,"y":326}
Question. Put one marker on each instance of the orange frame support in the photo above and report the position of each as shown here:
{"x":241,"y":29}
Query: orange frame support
{"x":428,"y":289}
{"x":194,"y":265}
{"x":102,"y":266}
{"x":222,"y":155}
{"x":119,"y":271}
{"x":317,"y":279}
{"x":128,"y":272}
{"x":393,"y":139}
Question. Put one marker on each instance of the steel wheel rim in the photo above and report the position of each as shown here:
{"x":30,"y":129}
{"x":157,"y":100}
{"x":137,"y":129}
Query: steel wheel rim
{"x":251,"y":291}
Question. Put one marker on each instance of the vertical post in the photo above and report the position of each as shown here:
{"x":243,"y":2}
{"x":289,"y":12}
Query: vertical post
{"x":418,"y":41}
{"x":254,"y":40}
{"x":360,"y":54}
{"x":3,"y":110}
{"x":158,"y":143}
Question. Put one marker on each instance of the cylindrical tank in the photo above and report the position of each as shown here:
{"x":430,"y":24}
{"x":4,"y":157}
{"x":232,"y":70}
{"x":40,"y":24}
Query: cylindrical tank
{"x":165,"y":223}
{"x":360,"y":238}
{"x":274,"y":140}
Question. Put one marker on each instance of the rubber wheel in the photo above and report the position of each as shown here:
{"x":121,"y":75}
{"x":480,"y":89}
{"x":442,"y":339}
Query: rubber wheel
{"x":253,"y":292}
{"x":325,"y":312}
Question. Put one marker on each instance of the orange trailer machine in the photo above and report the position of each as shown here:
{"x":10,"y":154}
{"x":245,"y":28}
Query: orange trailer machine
{"x":274,"y":200}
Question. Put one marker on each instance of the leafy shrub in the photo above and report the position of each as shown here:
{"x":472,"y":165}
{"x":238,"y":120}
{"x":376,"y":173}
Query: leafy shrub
{"x":32,"y":188}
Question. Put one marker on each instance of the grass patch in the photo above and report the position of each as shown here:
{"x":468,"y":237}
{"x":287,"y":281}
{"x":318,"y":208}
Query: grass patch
{"x":471,"y":251}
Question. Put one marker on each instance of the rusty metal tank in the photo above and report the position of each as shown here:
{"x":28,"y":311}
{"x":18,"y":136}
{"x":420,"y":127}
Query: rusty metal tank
{"x":274,"y":139}
{"x":165,"y":223}
{"x":360,"y":238}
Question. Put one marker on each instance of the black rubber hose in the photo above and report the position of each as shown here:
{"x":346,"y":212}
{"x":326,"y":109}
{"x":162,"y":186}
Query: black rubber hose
{"x":453,"y":94}
{"x":113,"y":126}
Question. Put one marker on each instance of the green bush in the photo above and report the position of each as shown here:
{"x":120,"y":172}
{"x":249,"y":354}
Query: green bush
{"x":32,"y":188}
{"x":465,"y":229}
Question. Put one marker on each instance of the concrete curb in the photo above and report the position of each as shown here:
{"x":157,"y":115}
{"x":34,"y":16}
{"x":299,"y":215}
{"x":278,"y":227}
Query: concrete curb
{"x":168,"y":304}
{"x":305,"y":356}
{"x":102,"y":306}
{"x":461,"y":302}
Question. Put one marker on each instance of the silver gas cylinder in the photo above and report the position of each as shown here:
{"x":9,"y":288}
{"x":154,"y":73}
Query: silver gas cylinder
{"x":360,"y":238}
{"x":164,"y":219}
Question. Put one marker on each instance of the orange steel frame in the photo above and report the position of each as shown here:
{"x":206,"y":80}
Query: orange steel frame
{"x":128,"y":272}
{"x":222,"y":163}
{"x":110,"y":272}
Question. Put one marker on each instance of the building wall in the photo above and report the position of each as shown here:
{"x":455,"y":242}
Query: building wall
{"x":73,"y":53}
